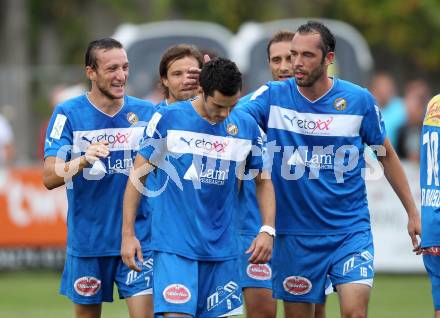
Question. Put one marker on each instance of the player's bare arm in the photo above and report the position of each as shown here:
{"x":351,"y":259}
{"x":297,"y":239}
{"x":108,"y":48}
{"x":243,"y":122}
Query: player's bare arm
{"x":130,"y":245}
{"x":261,"y":247}
{"x":56,"y":171}
{"x":396,"y":177}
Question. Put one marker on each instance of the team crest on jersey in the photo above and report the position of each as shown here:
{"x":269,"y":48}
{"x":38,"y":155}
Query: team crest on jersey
{"x":132,"y":118}
{"x":232,"y":129}
{"x":340,"y":104}
{"x":432,"y":117}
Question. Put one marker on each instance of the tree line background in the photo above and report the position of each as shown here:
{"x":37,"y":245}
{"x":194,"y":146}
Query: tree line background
{"x":403,"y":34}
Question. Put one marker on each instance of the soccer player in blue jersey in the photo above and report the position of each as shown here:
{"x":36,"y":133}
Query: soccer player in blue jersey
{"x":316,"y":129}
{"x":174,"y":66}
{"x":204,"y":146}
{"x":90,"y":145}
{"x":256,"y":279}
{"x":430,"y":193}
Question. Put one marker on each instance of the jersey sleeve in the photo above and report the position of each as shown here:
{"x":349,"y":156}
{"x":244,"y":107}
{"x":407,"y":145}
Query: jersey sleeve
{"x":255,"y":157}
{"x":258,"y":105}
{"x":59,"y":135}
{"x":153,"y":143}
{"x":372,"y":127}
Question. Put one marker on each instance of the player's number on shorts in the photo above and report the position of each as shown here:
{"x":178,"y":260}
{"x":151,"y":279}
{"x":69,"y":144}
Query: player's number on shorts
{"x":430,"y":139}
{"x":364,"y":272}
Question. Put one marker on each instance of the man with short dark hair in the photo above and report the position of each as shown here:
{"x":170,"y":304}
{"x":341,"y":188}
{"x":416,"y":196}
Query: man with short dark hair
{"x":204,"y":146}
{"x":278,"y":55}
{"x":90,"y":146}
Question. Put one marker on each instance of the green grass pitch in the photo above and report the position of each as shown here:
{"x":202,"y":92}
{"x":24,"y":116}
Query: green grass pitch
{"x":34,"y":294}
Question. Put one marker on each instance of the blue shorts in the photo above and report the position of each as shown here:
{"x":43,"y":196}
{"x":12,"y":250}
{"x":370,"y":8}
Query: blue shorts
{"x":253,"y":275}
{"x":196,"y":288}
{"x":301,"y":264}
{"x":90,"y":280}
{"x":432,"y":265}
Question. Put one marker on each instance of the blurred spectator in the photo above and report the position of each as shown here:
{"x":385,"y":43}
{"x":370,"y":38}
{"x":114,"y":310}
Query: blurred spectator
{"x":383,"y":88}
{"x":7,"y":149}
{"x":416,"y":97}
{"x":59,"y":94}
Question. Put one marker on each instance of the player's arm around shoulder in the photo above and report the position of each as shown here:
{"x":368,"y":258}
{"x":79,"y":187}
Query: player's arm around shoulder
{"x":396,"y":177}
{"x":257,"y":105}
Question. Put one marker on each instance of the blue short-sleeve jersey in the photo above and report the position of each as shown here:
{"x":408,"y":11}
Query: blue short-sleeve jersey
{"x":95,"y":195}
{"x":429,"y":175}
{"x":153,"y":185}
{"x":317,"y":151}
{"x":195,"y":216}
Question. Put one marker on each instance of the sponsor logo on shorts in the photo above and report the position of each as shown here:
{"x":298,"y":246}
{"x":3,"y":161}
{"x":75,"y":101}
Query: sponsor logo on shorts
{"x":147,"y":270}
{"x":297,"y":285}
{"x":228,"y":295}
{"x":340,"y":104}
{"x":259,"y":271}
{"x":176,"y":294}
{"x":433,"y":250}
{"x":363,"y":260}
{"x":87,"y":286}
